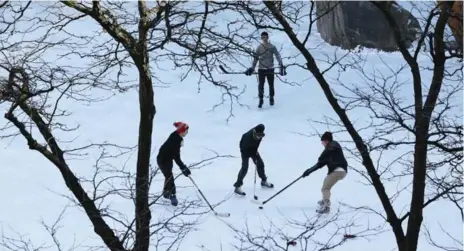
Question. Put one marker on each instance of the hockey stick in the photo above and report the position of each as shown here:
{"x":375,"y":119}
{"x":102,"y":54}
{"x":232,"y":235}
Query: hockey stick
{"x":254,"y":187}
{"x":273,"y":196}
{"x":283,"y":189}
{"x":229,"y":72}
{"x":207,"y":202}
{"x":243,"y":72}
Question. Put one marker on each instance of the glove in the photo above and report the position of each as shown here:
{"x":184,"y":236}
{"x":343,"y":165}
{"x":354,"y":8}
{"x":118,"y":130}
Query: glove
{"x":249,"y":71}
{"x":282,"y":71}
{"x":308,"y":171}
{"x":186,"y":171}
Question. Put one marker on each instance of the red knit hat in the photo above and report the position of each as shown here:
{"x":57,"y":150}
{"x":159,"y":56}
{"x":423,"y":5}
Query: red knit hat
{"x":181,"y":127}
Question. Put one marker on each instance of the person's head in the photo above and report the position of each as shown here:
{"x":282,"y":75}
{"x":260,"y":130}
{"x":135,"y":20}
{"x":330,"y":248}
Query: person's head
{"x":326,"y":138}
{"x":181,"y":128}
{"x":258,"y":132}
{"x":265,"y":37}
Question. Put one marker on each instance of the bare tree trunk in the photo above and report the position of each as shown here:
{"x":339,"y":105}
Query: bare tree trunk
{"x":147,"y":113}
{"x":422,"y":133}
{"x":139,"y":53}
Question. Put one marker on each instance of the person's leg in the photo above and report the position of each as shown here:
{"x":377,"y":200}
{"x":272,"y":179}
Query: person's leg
{"x":329,"y":181}
{"x":270,"y":81}
{"x":242,"y":173}
{"x":261,"y":80}
{"x":261,"y":172}
{"x":169,"y":187}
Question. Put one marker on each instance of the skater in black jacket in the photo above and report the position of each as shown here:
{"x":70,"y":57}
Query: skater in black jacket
{"x":168,"y":152}
{"x":249,"y":145}
{"x":333,"y":157}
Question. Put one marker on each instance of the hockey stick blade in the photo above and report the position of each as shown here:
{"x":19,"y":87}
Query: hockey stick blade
{"x":222,"y":214}
{"x":228,"y":72}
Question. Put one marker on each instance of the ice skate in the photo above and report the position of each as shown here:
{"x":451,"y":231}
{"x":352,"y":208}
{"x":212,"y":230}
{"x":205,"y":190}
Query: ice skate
{"x":267,"y":184}
{"x":324,"y":207}
{"x":174,"y":200}
{"x":239,"y":191}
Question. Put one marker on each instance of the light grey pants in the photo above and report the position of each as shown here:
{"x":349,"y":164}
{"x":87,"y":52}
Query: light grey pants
{"x":329,"y":181}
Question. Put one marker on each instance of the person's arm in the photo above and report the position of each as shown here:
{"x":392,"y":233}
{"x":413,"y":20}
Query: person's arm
{"x":177,"y":157}
{"x":255,"y":57}
{"x":323,"y":158}
{"x":257,"y":146}
{"x":278,"y":57}
{"x":322,"y":161}
{"x":179,"y":162}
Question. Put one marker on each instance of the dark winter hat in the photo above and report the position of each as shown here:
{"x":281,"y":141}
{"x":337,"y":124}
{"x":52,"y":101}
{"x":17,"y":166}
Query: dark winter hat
{"x":259,"y":129}
{"x":327,"y":136}
{"x":264,"y":34}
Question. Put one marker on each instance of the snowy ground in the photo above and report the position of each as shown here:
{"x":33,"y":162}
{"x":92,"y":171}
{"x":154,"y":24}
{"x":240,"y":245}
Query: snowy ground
{"x":31,"y":186}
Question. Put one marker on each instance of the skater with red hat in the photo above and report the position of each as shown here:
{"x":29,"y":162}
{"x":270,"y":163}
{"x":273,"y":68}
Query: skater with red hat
{"x":168,"y":152}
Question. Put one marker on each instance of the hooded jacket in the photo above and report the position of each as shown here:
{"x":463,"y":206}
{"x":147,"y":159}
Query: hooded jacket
{"x":333,"y":157}
{"x":249,"y":144}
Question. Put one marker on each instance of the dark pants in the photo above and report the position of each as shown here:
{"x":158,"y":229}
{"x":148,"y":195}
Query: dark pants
{"x":262,"y":75}
{"x":243,"y":171}
{"x":169,"y":187}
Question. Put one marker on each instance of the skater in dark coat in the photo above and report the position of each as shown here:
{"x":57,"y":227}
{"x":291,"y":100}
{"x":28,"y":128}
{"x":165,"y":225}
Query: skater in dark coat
{"x":168,"y":152}
{"x":333,"y":157}
{"x":265,"y":53}
{"x":249,"y":145}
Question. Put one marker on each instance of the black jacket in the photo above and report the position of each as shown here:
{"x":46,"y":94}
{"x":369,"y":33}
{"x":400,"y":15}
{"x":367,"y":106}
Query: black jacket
{"x":170,"y":150}
{"x":248,"y":144}
{"x":333,"y":157}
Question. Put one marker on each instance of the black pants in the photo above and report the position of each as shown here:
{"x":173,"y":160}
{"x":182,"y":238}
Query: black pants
{"x":243,"y":171}
{"x":262,"y":75}
{"x":169,"y":187}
